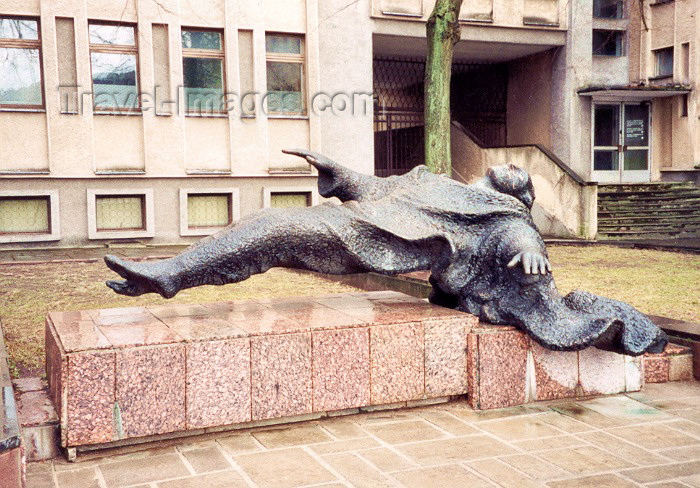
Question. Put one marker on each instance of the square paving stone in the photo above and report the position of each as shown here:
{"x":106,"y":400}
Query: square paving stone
{"x":358,"y":471}
{"x":281,"y":375}
{"x":455,"y":450}
{"x":291,"y":435}
{"x":519,"y":428}
{"x":222,"y":479}
{"x":206,"y":460}
{"x":292,"y":467}
{"x":403,"y":432}
{"x":654,"y":436}
{"x":450,"y":476}
{"x":598,"y":481}
{"x":142,"y":470}
{"x":340,"y":369}
{"x":584,"y":460}
{"x":218,"y":383}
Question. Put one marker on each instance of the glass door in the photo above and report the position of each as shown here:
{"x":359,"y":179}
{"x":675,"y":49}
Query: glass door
{"x":621,"y":142}
{"x":635,"y":140}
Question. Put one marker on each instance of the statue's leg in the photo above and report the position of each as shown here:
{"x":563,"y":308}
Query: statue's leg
{"x":292,"y":238}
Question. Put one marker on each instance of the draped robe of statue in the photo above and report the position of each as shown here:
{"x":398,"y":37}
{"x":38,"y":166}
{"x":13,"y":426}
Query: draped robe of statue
{"x":466,"y":235}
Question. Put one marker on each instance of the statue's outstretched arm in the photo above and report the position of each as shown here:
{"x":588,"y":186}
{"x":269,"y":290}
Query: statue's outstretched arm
{"x":523,"y":245}
{"x":335,"y":180}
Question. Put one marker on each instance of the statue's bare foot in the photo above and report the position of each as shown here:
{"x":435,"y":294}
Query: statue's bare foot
{"x":137,"y":280}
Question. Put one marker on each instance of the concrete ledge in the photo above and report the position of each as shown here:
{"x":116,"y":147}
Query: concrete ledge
{"x":12,"y":461}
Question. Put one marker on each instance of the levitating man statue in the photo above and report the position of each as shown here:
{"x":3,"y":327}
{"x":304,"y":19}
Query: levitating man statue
{"x":479,"y":241}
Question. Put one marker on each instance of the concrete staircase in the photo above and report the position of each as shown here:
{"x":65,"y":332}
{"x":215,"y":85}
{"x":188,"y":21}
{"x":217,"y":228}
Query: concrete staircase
{"x":648,"y":211}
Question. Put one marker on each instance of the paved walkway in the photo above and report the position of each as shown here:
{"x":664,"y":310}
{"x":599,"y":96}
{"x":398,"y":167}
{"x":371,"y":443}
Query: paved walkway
{"x":642,"y":439}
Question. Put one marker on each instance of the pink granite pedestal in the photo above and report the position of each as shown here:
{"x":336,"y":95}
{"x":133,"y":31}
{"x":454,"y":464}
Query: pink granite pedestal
{"x":133,"y":373}
{"x":124,"y":375}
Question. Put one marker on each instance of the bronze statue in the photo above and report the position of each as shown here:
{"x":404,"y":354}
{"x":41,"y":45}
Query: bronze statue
{"x":479,"y":241}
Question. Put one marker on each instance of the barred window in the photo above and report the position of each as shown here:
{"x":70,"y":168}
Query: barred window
{"x":25,"y":215}
{"x":20,"y":63}
{"x":203,"y":70}
{"x":114,"y":63}
{"x":120,"y":212}
{"x":290,"y":199}
{"x":208,"y":210}
{"x":285,"y":74}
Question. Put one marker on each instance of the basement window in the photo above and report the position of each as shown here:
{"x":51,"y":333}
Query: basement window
{"x":290,"y":199}
{"x":204,"y":211}
{"x":120,"y":214}
{"x":25,"y":215}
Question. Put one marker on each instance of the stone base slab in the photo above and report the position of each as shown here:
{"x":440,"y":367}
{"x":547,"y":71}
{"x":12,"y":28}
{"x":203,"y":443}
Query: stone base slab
{"x":143,"y":372}
{"x":136,"y":374}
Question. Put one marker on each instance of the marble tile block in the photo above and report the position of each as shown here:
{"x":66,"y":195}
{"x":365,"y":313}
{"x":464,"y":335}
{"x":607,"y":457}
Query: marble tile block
{"x":150,"y":391}
{"x":601,"y":372}
{"x":634,"y":373}
{"x":499,"y":368}
{"x":446,"y":355}
{"x":218,"y":383}
{"x":680,"y":367}
{"x":281,"y":375}
{"x":340,"y":369}
{"x":79,"y":332}
{"x":56,"y":366}
{"x":656,"y":368}
{"x":397,"y":361}
{"x":555,"y":373}
{"x":90,"y":397}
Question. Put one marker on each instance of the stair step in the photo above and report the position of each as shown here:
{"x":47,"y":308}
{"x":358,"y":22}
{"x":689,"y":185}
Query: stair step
{"x":689,"y":195}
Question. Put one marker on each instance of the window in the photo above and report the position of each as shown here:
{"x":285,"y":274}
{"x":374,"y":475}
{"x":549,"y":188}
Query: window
{"x":608,"y":43}
{"x":664,"y":62}
{"x":684,"y":105}
{"x":285,"y":74}
{"x":290,"y":199}
{"x":123,"y":212}
{"x":203,"y":70}
{"x":113,"y":59}
{"x":607,"y":9}
{"x":20,"y":63}
{"x":120,"y":214}
{"x":29,"y":216}
{"x":25,"y":215}
{"x":203,"y":211}
{"x":685,"y":62}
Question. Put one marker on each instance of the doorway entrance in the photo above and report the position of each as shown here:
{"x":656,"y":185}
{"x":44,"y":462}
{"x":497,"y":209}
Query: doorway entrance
{"x":621,"y":142}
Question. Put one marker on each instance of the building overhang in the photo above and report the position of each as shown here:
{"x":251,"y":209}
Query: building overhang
{"x":632,"y":93}
{"x":488,"y":43}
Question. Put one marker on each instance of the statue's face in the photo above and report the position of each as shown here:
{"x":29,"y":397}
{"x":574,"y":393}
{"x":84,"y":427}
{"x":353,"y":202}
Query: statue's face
{"x":514,"y":181}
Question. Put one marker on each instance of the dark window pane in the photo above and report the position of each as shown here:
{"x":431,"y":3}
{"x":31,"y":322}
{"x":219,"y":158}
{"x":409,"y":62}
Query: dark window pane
{"x":605,"y":160}
{"x":196,"y":39}
{"x":636,"y":159}
{"x":203,"y":81}
{"x":19,"y":29}
{"x":114,"y":80}
{"x":283,"y":44}
{"x":284,"y":81}
{"x":607,"y":120}
{"x":607,"y":43}
{"x":664,"y":62}
{"x":607,"y":9}
{"x":636,"y":125}
{"x":112,"y":34}
{"x":20,"y":77}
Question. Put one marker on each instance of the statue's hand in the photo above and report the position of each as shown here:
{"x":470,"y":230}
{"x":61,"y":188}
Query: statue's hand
{"x":533,"y":263}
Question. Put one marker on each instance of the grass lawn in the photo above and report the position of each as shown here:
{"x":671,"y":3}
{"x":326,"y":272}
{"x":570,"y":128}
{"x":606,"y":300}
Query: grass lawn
{"x":656,"y":282}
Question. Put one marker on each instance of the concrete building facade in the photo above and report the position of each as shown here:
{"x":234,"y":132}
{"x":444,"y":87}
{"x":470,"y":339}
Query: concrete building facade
{"x":163,"y":120}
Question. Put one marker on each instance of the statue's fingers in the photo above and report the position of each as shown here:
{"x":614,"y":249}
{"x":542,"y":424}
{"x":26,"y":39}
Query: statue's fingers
{"x":516,"y":259}
{"x":549,"y":266}
{"x":527,"y":263}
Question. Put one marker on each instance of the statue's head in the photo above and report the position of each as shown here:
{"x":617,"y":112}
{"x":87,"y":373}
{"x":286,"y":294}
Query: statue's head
{"x":514,"y":181}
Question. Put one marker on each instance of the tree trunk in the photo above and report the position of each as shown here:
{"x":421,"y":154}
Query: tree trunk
{"x":443,"y":34}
